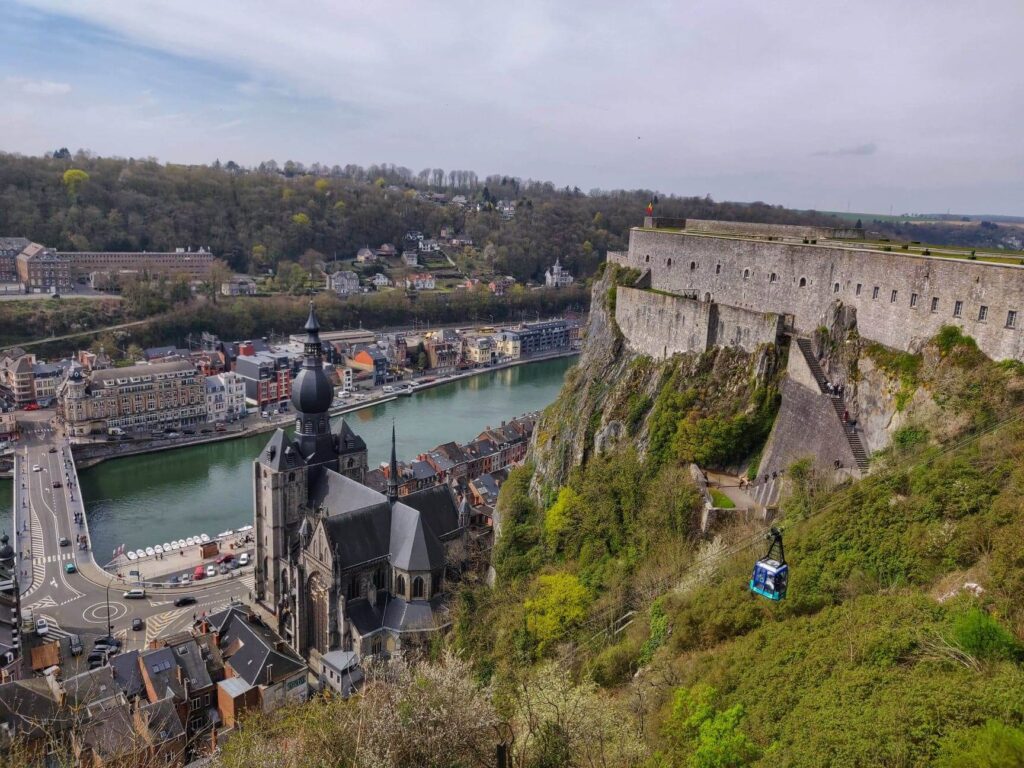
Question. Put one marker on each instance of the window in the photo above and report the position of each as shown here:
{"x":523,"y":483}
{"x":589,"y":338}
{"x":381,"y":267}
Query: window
{"x":958,"y":309}
{"x":377,"y":645}
{"x":1011,"y":318}
{"x":913,"y":301}
{"x":693,"y":265}
{"x":746,"y":274}
{"x":892,"y":297}
{"x":803,"y":282}
{"x":935,"y":303}
{"x":772,"y":278}
{"x":195,"y":703}
{"x":647,"y":258}
{"x":835,"y":288}
{"x":417,"y":587}
{"x":858,"y":289}
{"x":874,"y":293}
{"x":353,"y":589}
{"x":982,"y":313}
{"x":718,"y":269}
{"x":668,"y":263}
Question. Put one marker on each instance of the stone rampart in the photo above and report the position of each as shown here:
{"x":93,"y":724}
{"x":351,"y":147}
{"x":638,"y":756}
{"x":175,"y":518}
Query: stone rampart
{"x":751,"y":229}
{"x":661,"y":325}
{"x":901,"y":300}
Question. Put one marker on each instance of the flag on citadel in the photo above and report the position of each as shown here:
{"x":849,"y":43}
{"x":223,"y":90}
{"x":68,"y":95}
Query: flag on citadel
{"x":650,"y":208}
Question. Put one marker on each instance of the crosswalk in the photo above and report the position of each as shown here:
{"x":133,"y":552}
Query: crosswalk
{"x":54,"y":558}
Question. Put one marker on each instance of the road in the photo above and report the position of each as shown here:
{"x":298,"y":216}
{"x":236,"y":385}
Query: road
{"x":77,"y":603}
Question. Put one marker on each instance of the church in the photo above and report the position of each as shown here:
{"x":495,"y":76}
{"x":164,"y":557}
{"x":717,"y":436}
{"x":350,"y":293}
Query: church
{"x":340,"y":566}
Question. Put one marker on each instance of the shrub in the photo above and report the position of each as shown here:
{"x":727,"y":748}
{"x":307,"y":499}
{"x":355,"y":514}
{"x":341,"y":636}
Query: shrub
{"x":559,"y":605}
{"x":907,"y":437}
{"x":983,"y":637}
{"x":993,"y":745}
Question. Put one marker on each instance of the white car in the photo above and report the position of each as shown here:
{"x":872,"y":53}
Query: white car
{"x":140,"y":553}
{"x":204,"y":538}
{"x":42,"y":628}
{"x":36,"y":468}
{"x":158,"y":549}
{"x":185,"y":579}
{"x":131,"y":555}
{"x":150,"y":551}
{"x":243,"y":559}
{"x":190,"y":541}
{"x":211,"y":571}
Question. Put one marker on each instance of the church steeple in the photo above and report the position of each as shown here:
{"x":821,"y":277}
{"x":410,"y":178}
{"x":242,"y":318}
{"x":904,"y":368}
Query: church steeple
{"x":393,"y":470}
{"x":312,"y":394}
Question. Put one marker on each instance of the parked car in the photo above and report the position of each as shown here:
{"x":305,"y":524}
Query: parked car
{"x":42,"y":627}
{"x":184,"y":600}
{"x":32,"y":407}
{"x":199,"y":573}
{"x":137,"y":624}
{"x":185,"y":579}
{"x":225,"y":558}
{"x":211,"y":571}
{"x":225,"y":568}
{"x":75,"y":645}
{"x":136,"y":593}
{"x":243,"y":559}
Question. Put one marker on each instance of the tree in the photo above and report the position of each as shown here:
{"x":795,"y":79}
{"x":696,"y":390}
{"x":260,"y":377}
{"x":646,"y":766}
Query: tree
{"x":220,"y":273}
{"x":73,"y":180}
{"x":701,"y":736}
{"x":559,"y":604}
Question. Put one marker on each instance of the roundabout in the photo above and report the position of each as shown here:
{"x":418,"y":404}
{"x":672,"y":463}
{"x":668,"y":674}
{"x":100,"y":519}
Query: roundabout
{"x":97,"y":614}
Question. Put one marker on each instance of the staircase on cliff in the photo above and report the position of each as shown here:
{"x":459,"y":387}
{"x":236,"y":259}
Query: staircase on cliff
{"x":852,"y":437}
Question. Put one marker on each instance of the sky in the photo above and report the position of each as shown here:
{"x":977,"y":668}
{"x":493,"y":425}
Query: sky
{"x":870,"y":106}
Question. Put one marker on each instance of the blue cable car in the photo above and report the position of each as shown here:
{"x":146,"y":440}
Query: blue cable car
{"x":771,"y":575}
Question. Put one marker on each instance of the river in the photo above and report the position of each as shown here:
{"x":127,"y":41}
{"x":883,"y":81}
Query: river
{"x":150,"y":499}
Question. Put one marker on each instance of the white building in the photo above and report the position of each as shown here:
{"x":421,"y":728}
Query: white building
{"x":380,"y":280}
{"x":556,"y":277}
{"x":225,"y":397}
{"x":422,"y":281}
{"x":410,"y":258}
{"x":239,"y":285}
{"x":343,"y":283}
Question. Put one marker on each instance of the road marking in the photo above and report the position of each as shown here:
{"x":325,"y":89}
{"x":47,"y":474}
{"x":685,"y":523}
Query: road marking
{"x":46,"y":602}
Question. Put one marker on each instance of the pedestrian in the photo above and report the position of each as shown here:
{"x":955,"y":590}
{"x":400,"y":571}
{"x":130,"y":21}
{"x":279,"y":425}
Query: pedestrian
{"x":846,"y":416}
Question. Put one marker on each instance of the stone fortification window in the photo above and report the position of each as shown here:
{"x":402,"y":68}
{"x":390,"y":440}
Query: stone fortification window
{"x":835,"y":287}
{"x":773,"y":278}
{"x":958,"y":309}
{"x":874,"y":292}
{"x":803,"y":282}
{"x":693,"y":265}
{"x":746,"y":274}
{"x":718,"y":269}
{"x":892,"y":297}
{"x":1011,"y":319}
{"x":982,"y":313}
{"x":668,"y":263}
{"x":647,"y":258}
{"x":858,"y":289}
{"x":913,"y":301}
{"x":935,"y":303}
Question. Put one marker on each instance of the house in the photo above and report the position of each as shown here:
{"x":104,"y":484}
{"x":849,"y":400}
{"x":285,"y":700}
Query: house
{"x":386,"y":251}
{"x":371,"y":359}
{"x":46,"y":377}
{"x":267,"y":376}
{"x":340,"y":671}
{"x":442,"y":355}
{"x":365,"y":256}
{"x":481,"y":350}
{"x":507,"y":209}
{"x":429,"y":246}
{"x":239,"y":285}
{"x":17,"y":377}
{"x":421,"y":281}
{"x":410,"y":258}
{"x":499,"y":286}
{"x":508,"y":345}
{"x":556,"y":277}
{"x":380,"y":280}
{"x":483,"y":490}
{"x":343,"y":283}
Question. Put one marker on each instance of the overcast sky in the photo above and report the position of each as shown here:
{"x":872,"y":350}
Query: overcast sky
{"x":870,"y":105}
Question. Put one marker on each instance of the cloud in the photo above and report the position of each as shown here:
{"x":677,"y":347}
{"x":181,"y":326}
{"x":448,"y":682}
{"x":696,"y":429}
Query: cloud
{"x":860,"y":150}
{"x":38,"y":87}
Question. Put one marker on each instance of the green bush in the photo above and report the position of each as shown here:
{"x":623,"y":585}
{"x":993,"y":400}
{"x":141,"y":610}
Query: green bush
{"x":993,"y":745}
{"x":980,"y":635}
{"x":951,"y":337}
{"x":909,"y":436}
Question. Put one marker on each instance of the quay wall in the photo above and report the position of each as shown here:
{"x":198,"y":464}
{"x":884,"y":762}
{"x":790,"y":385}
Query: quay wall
{"x":661,"y":325}
{"x":901,"y":300}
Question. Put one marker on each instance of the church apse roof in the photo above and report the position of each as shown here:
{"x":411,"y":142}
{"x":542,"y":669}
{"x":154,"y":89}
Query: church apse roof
{"x":413,"y":546}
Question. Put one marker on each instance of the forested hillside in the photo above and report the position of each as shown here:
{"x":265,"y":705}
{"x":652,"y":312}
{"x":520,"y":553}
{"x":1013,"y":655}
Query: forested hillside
{"x":255,"y":218}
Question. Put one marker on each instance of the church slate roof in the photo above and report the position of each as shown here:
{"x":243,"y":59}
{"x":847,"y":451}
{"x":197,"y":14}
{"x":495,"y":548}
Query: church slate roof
{"x":413,"y":547}
{"x":437,"y":508}
{"x":348,"y":441}
{"x":397,"y":615}
{"x":279,"y":454}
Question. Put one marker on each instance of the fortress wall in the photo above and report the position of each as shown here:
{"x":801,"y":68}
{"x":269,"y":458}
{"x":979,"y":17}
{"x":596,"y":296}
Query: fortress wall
{"x":709,"y":226}
{"x":808,"y":279}
{"x":660,"y":326}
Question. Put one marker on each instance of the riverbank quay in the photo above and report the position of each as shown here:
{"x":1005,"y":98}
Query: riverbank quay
{"x":90,"y":452}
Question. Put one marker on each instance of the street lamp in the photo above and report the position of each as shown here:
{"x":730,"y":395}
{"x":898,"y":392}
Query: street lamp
{"x":110,"y":628}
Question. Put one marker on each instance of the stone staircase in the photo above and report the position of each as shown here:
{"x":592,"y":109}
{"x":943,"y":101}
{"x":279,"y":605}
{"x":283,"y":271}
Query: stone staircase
{"x":852,"y":437}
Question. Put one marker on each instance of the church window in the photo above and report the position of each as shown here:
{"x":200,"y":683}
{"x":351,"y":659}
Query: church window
{"x":378,"y":578}
{"x":417,"y":587}
{"x":353,"y":589}
{"x":647,"y":258}
{"x":892,"y":297}
{"x":377,"y":646}
{"x":803,"y":282}
{"x":858,"y":289}
{"x":400,"y":586}
{"x":935,"y":303}
{"x":291,"y":477}
{"x":874,"y":293}
{"x":835,"y":288}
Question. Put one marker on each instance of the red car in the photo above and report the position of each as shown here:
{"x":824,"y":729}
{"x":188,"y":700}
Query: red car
{"x":199,"y":573}
{"x":32,"y":407}
{"x":227,"y":557}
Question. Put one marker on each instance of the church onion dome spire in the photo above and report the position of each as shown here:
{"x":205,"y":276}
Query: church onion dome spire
{"x":312,"y":392}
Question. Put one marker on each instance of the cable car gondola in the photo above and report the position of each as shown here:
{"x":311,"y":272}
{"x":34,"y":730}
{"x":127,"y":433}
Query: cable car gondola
{"x":771,"y":575}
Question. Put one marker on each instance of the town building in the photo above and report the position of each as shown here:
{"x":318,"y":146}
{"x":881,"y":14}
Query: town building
{"x":499,"y":286}
{"x":443,"y":354}
{"x":17,"y":377}
{"x":369,"y":358}
{"x":508,"y":345}
{"x":267,"y":376}
{"x":507,"y":209}
{"x":10,"y":247}
{"x":380,"y":280}
{"x":481,"y":350}
{"x":146,"y":396}
{"x":239,"y":285}
{"x":545,"y":336}
{"x":338,"y":565}
{"x":10,"y":606}
{"x":46,"y":377}
{"x":195,"y":264}
{"x":386,"y":251}
{"x":41,"y":270}
{"x":410,"y":258}
{"x":343,"y":283}
{"x":365,"y":256}
{"x":421,"y":281}
{"x":556,"y":277}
